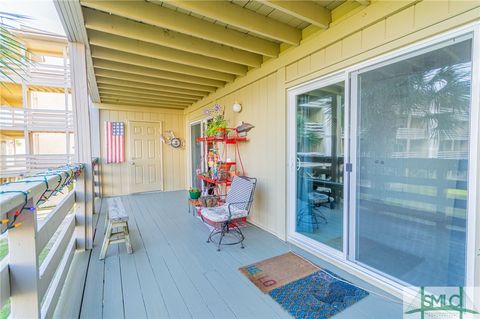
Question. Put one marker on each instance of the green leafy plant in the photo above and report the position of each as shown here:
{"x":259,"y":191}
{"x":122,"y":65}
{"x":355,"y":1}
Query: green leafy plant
{"x":13,"y":60}
{"x":217,"y":125}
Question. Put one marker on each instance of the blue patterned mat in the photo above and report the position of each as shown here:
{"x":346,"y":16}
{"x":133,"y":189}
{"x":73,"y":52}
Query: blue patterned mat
{"x":317,"y":296}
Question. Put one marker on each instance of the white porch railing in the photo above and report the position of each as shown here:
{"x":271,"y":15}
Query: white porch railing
{"x":14,"y":118}
{"x":42,"y":74}
{"x":34,"y":288}
{"x":19,"y":165}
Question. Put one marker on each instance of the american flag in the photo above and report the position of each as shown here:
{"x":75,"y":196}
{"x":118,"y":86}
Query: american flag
{"x":115,"y":138}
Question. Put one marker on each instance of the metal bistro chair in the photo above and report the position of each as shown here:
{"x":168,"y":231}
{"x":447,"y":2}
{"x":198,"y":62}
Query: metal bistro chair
{"x":237,"y":205}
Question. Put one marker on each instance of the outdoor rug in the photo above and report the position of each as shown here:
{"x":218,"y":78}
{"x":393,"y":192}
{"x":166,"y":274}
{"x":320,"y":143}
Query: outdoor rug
{"x":275,"y":272}
{"x":318,"y":295}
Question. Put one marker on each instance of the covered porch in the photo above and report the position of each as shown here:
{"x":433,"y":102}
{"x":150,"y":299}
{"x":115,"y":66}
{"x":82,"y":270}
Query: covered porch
{"x":174,"y":273}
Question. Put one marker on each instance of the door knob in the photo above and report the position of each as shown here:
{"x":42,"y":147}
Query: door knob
{"x":132,"y":163}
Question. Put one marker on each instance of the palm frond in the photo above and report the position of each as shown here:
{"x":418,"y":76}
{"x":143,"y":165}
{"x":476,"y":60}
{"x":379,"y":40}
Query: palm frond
{"x":13,"y":60}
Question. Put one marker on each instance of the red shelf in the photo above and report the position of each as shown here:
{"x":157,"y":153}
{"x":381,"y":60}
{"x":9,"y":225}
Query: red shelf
{"x":214,"y":181}
{"x":227,"y":140}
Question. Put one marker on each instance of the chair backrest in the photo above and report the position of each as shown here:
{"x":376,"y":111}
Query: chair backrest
{"x":241,"y":192}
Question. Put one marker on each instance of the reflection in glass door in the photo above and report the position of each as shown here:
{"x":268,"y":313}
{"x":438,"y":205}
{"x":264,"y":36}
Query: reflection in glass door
{"x":196,"y":153}
{"x":412,"y":165}
{"x":320,"y":161}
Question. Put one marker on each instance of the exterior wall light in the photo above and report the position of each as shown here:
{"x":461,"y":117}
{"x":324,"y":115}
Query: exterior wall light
{"x":237,"y":107}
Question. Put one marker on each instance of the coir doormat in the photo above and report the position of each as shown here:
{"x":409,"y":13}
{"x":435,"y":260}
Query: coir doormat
{"x":275,"y":272}
{"x":320,"y":294}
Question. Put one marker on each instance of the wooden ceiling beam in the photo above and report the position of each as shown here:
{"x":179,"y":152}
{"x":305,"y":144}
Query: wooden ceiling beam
{"x":107,"y":95}
{"x":133,"y":69}
{"x":307,"y":11}
{"x":242,"y":18}
{"x":152,"y":80}
{"x":134,"y":104}
{"x":194,"y":72}
{"x":162,"y":17}
{"x":99,"y":21}
{"x":139,"y":85}
{"x":363,"y":2}
{"x":137,"y":96}
{"x":163,"y":53}
{"x":149,"y":93}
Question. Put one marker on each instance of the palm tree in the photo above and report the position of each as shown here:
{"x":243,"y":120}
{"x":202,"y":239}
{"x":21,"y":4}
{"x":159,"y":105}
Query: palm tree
{"x":12,"y":57}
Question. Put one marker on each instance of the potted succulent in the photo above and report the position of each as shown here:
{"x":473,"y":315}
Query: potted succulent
{"x":194,"y":193}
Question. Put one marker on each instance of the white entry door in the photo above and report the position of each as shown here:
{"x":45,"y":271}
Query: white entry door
{"x":145,"y":157}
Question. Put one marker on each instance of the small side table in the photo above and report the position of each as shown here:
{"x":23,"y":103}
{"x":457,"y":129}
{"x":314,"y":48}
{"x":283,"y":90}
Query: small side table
{"x":193,"y":204}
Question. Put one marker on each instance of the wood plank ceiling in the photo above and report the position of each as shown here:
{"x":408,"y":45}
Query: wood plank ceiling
{"x":173,"y":53}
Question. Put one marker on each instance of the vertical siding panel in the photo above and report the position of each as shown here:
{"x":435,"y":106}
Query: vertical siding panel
{"x":333,"y":53}
{"x":317,"y":60}
{"x":280,"y":155}
{"x":304,"y":66}
{"x":400,"y":23}
{"x":428,"y":10}
{"x":292,"y":71}
{"x":352,"y":45}
{"x":374,"y":35}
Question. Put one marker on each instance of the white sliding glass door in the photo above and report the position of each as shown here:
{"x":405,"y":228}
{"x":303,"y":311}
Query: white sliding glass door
{"x":412,"y":160}
{"x":381,"y":160}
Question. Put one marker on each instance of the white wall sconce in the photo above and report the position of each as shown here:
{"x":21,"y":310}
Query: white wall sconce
{"x":237,"y":107}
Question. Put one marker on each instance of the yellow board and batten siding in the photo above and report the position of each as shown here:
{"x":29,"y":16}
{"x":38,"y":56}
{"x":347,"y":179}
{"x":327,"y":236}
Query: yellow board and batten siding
{"x":381,"y":27}
{"x":115,"y":176}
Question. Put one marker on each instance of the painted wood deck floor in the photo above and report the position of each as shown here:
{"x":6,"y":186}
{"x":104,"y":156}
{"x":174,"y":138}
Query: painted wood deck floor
{"x":174,"y":273}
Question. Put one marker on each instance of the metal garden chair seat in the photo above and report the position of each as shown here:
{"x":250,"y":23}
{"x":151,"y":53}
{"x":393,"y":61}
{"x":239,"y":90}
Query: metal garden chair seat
{"x":237,"y":205}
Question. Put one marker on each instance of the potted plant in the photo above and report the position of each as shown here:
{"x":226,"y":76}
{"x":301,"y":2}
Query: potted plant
{"x":217,"y":126}
{"x":194,"y":193}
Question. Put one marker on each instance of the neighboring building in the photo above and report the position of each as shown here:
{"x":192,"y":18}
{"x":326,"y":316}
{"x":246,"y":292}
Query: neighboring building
{"x":36,"y":124}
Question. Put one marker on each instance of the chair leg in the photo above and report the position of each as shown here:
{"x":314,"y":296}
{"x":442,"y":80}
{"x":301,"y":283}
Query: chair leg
{"x":127,"y":239}
{"x":106,"y":241}
{"x":222,"y":235}
{"x":209,"y":239}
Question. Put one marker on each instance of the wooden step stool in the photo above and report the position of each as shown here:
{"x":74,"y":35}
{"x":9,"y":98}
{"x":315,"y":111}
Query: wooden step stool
{"x":116,"y":218}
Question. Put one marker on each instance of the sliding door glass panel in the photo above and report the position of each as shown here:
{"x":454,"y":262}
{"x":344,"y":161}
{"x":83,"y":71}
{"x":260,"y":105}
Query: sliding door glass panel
{"x":412,"y":165}
{"x":320,"y":153}
{"x":196,"y":159}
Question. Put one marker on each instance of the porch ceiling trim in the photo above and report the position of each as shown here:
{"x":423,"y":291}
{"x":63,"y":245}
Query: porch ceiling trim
{"x":183,"y":51}
{"x":156,"y":73}
{"x":243,"y":18}
{"x":155,"y":81}
{"x":159,"y":88}
{"x":156,"y":15}
{"x":99,"y":21}
{"x":163,"y":53}
{"x":307,"y":11}
{"x":135,"y":59}
{"x":146,"y":92}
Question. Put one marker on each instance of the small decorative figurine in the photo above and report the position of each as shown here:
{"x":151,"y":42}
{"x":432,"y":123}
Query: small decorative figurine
{"x":172,"y":140}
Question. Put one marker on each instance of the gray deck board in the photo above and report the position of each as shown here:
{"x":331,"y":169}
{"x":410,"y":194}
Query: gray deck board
{"x":174,"y":273}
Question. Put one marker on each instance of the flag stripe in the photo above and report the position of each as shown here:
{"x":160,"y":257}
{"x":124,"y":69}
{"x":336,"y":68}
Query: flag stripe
{"x":114,"y":137}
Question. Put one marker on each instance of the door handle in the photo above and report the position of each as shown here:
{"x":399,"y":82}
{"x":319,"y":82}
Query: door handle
{"x":298,"y":163}
{"x":132,"y":163}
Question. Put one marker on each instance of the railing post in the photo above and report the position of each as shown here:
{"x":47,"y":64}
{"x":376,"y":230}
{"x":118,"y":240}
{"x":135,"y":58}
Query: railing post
{"x":24,"y":276}
{"x":83,"y":149}
{"x":81,"y":212}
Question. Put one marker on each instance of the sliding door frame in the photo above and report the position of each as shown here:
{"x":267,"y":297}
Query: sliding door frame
{"x":346,"y":259}
{"x":292,"y":172}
